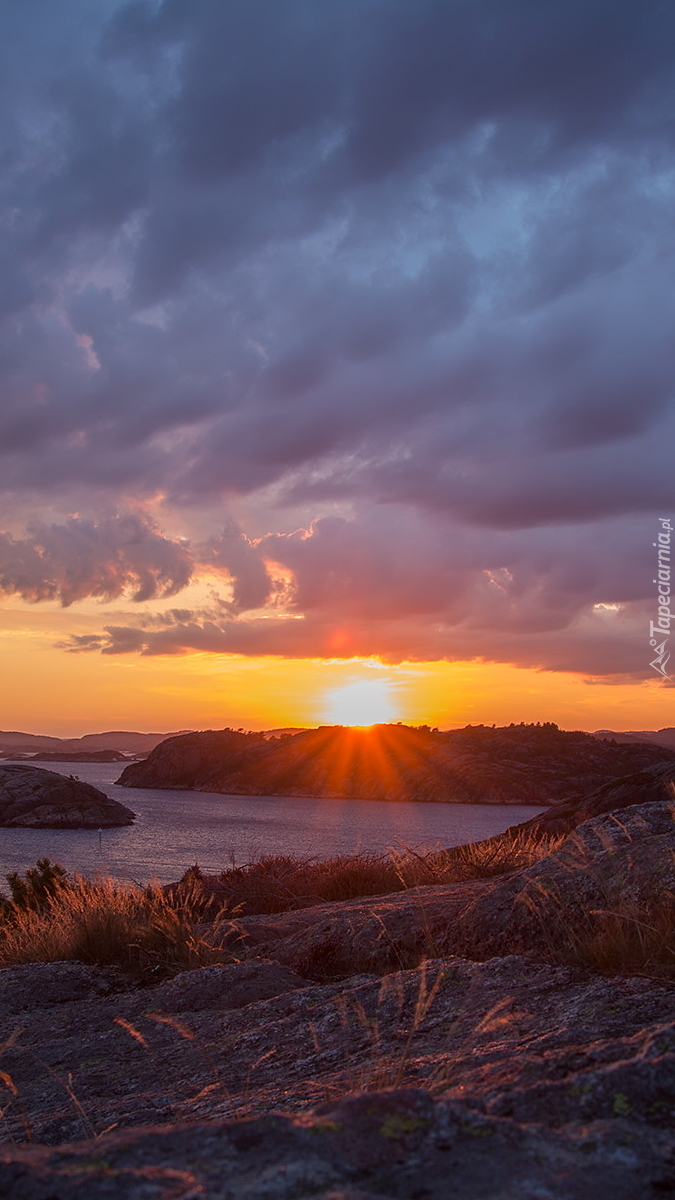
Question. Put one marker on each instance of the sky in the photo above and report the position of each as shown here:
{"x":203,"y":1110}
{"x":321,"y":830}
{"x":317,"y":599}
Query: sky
{"x":336,"y":361}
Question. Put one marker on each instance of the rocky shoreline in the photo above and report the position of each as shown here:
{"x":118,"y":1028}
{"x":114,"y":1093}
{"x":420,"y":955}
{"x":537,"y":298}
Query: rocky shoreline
{"x":364,"y":1050}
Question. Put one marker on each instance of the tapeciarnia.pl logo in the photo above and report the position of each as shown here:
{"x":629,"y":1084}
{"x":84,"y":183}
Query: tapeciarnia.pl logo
{"x":661,"y":626}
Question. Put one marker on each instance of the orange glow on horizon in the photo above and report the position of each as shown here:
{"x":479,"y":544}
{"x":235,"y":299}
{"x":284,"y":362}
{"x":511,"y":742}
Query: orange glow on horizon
{"x":66,"y":695}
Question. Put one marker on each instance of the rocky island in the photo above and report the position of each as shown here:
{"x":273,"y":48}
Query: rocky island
{"x":515,"y":764}
{"x":103,"y":756}
{"x":33,"y":798}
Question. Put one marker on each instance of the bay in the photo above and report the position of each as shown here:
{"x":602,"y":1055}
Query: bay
{"x":176,"y":828}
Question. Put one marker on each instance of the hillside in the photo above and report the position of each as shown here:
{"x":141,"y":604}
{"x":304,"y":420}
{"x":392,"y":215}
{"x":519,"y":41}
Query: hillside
{"x":661,"y":737}
{"x":16,"y":743}
{"x":516,"y":764}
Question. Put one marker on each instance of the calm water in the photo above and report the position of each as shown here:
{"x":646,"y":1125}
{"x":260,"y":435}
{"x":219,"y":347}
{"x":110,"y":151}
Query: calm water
{"x":174,"y":829}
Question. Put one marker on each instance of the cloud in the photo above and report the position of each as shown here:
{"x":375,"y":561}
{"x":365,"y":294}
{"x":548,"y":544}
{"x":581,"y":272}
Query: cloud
{"x":232,"y":552}
{"x":594,"y":646}
{"x":390,"y":586}
{"x":394,"y":278}
{"x":80,"y":558}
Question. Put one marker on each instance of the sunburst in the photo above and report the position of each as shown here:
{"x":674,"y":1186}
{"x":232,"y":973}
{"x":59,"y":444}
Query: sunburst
{"x":367,"y":702}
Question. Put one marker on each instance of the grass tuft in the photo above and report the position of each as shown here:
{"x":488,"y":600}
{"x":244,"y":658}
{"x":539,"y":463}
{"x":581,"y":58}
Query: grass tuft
{"x":156,"y":932}
{"x":629,"y":939}
{"x":153,"y":933}
{"x":279,"y":882}
{"x":139,"y":930}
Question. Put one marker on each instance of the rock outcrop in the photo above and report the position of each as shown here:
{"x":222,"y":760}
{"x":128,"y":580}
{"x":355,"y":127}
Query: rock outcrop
{"x":502,"y":1080}
{"x":380,"y":934}
{"x":37,"y":799}
{"x":519,"y":764}
{"x":621,"y":861}
{"x":286,"y":1075}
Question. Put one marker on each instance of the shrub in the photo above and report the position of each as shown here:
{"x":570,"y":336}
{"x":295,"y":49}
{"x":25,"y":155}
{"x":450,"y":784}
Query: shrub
{"x":39,"y":884}
{"x":279,"y":882}
{"x":155,"y":932}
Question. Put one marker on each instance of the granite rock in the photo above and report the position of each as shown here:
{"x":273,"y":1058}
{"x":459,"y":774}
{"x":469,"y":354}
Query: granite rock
{"x":33,"y":798}
{"x":623,"y":859}
{"x":499,"y":1080}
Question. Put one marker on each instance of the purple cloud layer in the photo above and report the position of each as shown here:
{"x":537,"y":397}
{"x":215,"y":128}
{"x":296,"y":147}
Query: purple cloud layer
{"x":78,"y":559}
{"x":405,"y":264}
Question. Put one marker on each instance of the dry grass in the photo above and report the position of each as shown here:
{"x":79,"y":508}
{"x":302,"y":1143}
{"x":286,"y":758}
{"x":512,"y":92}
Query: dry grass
{"x":156,"y":932}
{"x":153,"y":933}
{"x":103,"y":923}
{"x":501,"y":855}
{"x":628,"y":939}
{"x":280,"y":882}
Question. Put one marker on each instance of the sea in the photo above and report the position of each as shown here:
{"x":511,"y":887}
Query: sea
{"x":175,"y":829}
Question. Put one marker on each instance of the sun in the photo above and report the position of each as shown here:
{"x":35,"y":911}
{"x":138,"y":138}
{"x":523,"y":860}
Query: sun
{"x":365,"y":703}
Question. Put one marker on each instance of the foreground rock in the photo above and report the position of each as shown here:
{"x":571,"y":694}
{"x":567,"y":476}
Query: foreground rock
{"x":624,"y":860}
{"x":378,"y":934}
{"x":621,"y":861}
{"x":288,"y":1075}
{"x":393,"y":1145}
{"x":518,"y":764}
{"x":37,"y":799}
{"x":507,"y":1079}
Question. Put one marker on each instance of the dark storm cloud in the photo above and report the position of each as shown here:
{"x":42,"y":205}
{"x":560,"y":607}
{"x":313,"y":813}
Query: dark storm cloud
{"x":395,"y":257}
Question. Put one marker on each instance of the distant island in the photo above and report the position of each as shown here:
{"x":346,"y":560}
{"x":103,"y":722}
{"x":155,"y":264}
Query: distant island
{"x":80,"y":756}
{"x":15,"y":744}
{"x":662,"y":737}
{"x":536,"y":764}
